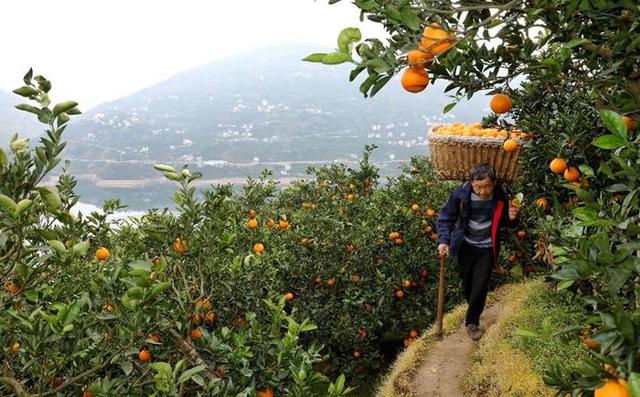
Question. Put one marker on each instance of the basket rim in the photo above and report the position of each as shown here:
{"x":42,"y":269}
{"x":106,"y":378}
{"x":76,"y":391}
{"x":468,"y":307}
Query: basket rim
{"x":431,"y":136}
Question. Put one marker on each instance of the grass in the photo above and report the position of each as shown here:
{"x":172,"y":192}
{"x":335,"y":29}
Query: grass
{"x":504,"y":364}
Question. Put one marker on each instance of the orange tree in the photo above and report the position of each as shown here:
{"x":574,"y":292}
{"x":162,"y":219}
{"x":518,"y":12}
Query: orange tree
{"x":93,"y":307}
{"x":566,"y":64}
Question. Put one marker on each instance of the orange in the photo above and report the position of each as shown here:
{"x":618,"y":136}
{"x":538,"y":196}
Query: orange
{"x":414,"y":79}
{"x":521,"y":234}
{"x":102,"y":254}
{"x":87,"y":393}
{"x":501,"y":103}
{"x":408,"y":341}
{"x":431,"y":213}
{"x":196,"y":318}
{"x":355,"y":278}
{"x":251,"y":214}
{"x":436,"y":40}
{"x":350,"y":248}
{"x":398,"y":241}
{"x":434,"y":236}
{"x":306,"y":205}
{"x":252,"y":224}
{"x":107,"y":308}
{"x":399,"y":294}
{"x":15,"y":347}
{"x":180,"y":246}
{"x":196,"y":333}
{"x":154,"y":338}
{"x":349,"y":197}
{"x":318,"y":280}
{"x":356,"y":354}
{"x":271,"y":223}
{"x":288,"y":296}
{"x":419,"y":58}
{"x":265,"y":393}
{"x":630,"y":123}
{"x":11,"y":288}
{"x":558,"y":165}
{"x":204,"y":303}
{"x":510,"y":145}
{"x":144,"y":355}
{"x":542,"y":202}
{"x":590,"y":343}
{"x":413,"y":333}
{"x":406,"y":283}
{"x":572,"y":174}
{"x":362,"y":333}
{"x":394,"y":235}
{"x":210,"y":317}
{"x":258,"y":248}
{"x":330,"y":281}
{"x":612,"y":388}
{"x":283,"y":225}
{"x":415,"y":207}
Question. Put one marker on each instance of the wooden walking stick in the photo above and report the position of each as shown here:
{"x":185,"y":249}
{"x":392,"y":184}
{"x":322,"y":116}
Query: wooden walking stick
{"x":440,"y":312}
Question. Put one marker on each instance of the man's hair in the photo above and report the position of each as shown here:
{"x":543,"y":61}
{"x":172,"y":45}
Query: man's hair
{"x":482,"y":171}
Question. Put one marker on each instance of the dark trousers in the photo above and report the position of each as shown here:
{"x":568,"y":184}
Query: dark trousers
{"x":475,"y":265}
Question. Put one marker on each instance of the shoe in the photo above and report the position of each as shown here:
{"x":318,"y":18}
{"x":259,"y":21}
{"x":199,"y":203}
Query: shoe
{"x":474,"y":332}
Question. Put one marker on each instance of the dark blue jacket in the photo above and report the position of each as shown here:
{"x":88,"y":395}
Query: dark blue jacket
{"x":454,"y":218}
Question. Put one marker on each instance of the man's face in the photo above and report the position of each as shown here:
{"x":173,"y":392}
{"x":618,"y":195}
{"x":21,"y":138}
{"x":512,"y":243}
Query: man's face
{"x":483,"y":188}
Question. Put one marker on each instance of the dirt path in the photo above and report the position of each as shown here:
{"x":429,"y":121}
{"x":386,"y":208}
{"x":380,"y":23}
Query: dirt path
{"x":441,"y":374}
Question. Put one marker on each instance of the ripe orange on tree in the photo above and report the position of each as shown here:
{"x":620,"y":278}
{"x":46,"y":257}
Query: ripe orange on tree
{"x":265,"y":392}
{"x":102,"y":254}
{"x":271,"y":223}
{"x":436,"y":40}
{"x":283,"y":225}
{"x":406,"y":283}
{"x":258,"y":248}
{"x":394,"y":235}
{"x":330,"y":281}
{"x":154,"y":338}
{"x":590,"y":343}
{"x":434,"y":236}
{"x":413,"y":333}
{"x":356,"y":354}
{"x":144,"y":355}
{"x":558,"y":165}
{"x":350,"y":248}
{"x":542,"y":203}
{"x":362,"y":333}
{"x":612,"y":388}
{"x":415,"y":207}
{"x":87,"y":393}
{"x":210,"y":317}
{"x":196,"y":333}
{"x":203,"y":303}
{"x":288,"y":296}
{"x":501,"y":103}
{"x":414,"y":79}
{"x":572,"y":174}
{"x":521,"y":234}
{"x":399,"y":294}
{"x":510,"y":145}
{"x":431,"y":213}
{"x":11,"y":288}
{"x":629,"y":122}
{"x":180,"y":246}
{"x":398,"y":241}
{"x":15,"y":347}
{"x":251,"y":214}
{"x":355,"y":278}
{"x":253,"y":223}
{"x":419,"y":58}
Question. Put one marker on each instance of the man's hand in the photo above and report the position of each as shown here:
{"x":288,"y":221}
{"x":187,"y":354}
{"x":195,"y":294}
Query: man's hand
{"x":514,"y":212}
{"x":443,"y":249}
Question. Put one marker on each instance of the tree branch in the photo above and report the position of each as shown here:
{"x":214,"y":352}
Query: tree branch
{"x":596,"y":49}
{"x":192,"y":353}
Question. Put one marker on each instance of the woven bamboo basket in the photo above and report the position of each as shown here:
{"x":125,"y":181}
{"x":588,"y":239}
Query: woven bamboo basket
{"x":453,"y":156}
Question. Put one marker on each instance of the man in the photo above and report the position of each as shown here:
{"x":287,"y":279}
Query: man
{"x":468,"y":227}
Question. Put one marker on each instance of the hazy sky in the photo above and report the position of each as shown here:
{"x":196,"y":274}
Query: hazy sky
{"x":99,"y":50}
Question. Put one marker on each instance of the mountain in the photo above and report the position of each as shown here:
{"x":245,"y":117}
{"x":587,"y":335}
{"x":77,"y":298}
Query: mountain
{"x":14,"y":121}
{"x":234,"y":117}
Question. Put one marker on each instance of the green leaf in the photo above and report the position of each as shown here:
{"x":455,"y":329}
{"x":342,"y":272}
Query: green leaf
{"x":586,"y":214}
{"x":127,"y":367}
{"x":315,"y":57}
{"x":614,"y":123}
{"x":575,"y":43}
{"x":586,"y":171}
{"x":410,"y":19}
{"x":162,"y":368}
{"x":58,"y":246}
{"x":63,"y":118}
{"x":80,"y":249}
{"x":63,"y":107}
{"x":27,"y":77}
{"x":525,"y":333}
{"x":22,"y":206}
{"x":26,"y":91}
{"x":346,"y":38}
{"x":51,"y":198}
{"x":609,"y":142}
{"x":4,"y":160}
{"x":379,"y":84}
{"x":634,"y":384}
{"x":188,"y":374}
{"x":157,"y":289}
{"x":449,"y":106}
{"x":8,"y":205}
{"x":28,"y":108}
{"x":379,"y":65}
{"x":140,"y":265}
{"x":356,"y":71}
{"x":335,"y":58}
{"x":564,"y":284}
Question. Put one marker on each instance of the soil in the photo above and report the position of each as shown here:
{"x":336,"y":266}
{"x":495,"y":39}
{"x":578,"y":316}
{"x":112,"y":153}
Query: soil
{"x":443,"y":371}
